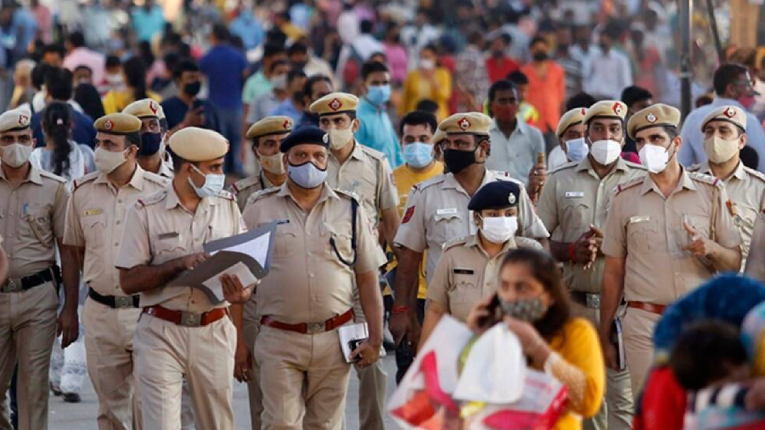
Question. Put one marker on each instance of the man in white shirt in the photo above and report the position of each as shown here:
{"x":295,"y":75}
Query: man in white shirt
{"x":607,"y":74}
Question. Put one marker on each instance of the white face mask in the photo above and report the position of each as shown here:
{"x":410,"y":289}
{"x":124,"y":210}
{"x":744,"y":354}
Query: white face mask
{"x":107,"y":161}
{"x":427,"y":64}
{"x":606,"y":152}
{"x":15,"y":155}
{"x":273,"y":163}
{"x":499,"y":229}
{"x":577,"y":149}
{"x":654,"y":158}
{"x":279,"y":82}
{"x":720,"y":150}
{"x":338,"y":138}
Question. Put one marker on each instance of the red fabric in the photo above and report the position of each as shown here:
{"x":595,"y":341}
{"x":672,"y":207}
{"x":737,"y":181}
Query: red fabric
{"x":663,"y":403}
{"x":547,"y":93}
{"x":499,"y":69}
{"x":631,"y":157}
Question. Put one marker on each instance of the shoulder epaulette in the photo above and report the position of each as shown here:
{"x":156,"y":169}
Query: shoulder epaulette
{"x":226,"y":195}
{"x":77,"y":183}
{"x":454,"y":242}
{"x":347,"y":193}
{"x":695,"y":167}
{"x":756,"y":173}
{"x":50,"y":175}
{"x":373,"y":152}
{"x":261,"y":193}
{"x":564,"y":166}
{"x":151,"y":199}
{"x":157,"y":179}
{"x":241,"y":185}
{"x":525,"y":242}
{"x":711,"y":180}
{"x":635,"y":165}
{"x":432,"y":181}
{"x":629,"y":184}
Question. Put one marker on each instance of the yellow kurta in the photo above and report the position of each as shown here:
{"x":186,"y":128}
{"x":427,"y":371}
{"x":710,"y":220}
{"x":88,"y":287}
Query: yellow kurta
{"x":418,"y":88}
{"x":115,"y":101}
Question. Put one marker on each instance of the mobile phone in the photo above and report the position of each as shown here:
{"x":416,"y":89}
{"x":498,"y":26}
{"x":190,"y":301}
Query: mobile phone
{"x":353,"y":344}
{"x":492,"y":308}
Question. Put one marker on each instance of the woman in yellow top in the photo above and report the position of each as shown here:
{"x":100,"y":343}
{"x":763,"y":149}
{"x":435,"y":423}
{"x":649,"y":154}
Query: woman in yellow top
{"x":534,"y":305}
{"x":134,"y":72}
{"x":427,"y":81}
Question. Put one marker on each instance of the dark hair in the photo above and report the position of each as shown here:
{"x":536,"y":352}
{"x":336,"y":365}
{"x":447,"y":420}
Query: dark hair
{"x":427,"y":105}
{"x":54,"y":48}
{"x":295,"y":74}
{"x":501,"y":85}
{"x":726,"y":75}
{"x":475,"y":37}
{"x":57,"y":125}
{"x":112,"y":61}
{"x":271,"y":49}
{"x":749,"y":157}
{"x":308,"y":87}
{"x":581,"y":100}
{"x":133,"y":139}
{"x":220,"y":33}
{"x":538,"y":39}
{"x":276,"y":36}
{"x":38,"y":75}
{"x":366,"y":26}
{"x":372,"y":67}
{"x":88,"y":98}
{"x":278,"y":63}
{"x":544,"y":268}
{"x":144,"y":51}
{"x":518,"y":78}
{"x":671,"y":131}
{"x":506,"y":38}
{"x":135,"y":77}
{"x":76,"y":38}
{"x":84,"y":67}
{"x":297,"y":48}
{"x":430,"y":47}
{"x":703,"y":100}
{"x":703,"y":353}
{"x":634,"y":94}
{"x":418,"y":117}
{"x":185,"y":65}
{"x":58,"y":83}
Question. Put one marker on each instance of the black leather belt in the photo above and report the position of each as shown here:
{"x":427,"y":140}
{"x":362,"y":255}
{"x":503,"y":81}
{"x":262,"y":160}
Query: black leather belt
{"x":115,"y":302}
{"x":14,"y":285}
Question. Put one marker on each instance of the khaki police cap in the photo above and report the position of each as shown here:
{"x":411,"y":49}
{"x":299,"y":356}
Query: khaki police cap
{"x":606,"y":109}
{"x":334,"y":103}
{"x":270,"y":125}
{"x":15,"y":119}
{"x":572,"y":117}
{"x":466,"y":123}
{"x":198,"y":144}
{"x":118,"y":123}
{"x":145,"y":108}
{"x":658,"y":115}
{"x":732,"y":114}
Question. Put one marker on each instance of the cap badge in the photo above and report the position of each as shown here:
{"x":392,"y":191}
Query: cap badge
{"x":617,"y":108}
{"x":325,"y":138}
{"x":152,"y":106}
{"x":584,"y":111}
{"x":335,"y":104}
{"x":108,"y":124}
{"x":464,"y":124}
{"x":287,"y":123}
{"x":511,"y":199}
{"x":23,"y":120}
{"x":651,"y":118}
{"x":729,"y":112}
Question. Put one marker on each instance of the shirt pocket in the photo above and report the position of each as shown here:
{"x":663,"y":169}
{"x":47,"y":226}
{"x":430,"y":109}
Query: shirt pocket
{"x":35,"y":224}
{"x":643,"y":235}
{"x":576,"y":214}
{"x":94,"y":230}
{"x":464,"y":290}
{"x":447,"y":226}
{"x":286,"y":243}
{"x":167,"y":247}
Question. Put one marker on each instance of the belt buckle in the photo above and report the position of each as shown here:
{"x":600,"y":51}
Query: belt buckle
{"x":11,"y":286}
{"x":313,"y":328}
{"x":593,"y":300}
{"x":189,"y":319}
{"x":123,"y":302}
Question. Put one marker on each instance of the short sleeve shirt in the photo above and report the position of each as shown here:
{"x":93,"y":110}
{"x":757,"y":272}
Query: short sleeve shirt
{"x":647,"y":230}
{"x":32,"y":217}
{"x":246,"y":187}
{"x":95,"y":221}
{"x":308,"y":282}
{"x":159,"y":229}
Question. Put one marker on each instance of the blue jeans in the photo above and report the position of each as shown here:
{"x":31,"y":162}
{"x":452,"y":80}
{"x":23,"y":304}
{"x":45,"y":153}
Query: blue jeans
{"x":231,"y":128}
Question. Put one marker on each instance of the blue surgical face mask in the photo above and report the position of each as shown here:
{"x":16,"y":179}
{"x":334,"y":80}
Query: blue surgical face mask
{"x":418,"y":154}
{"x":577,"y":149}
{"x":378,"y":94}
{"x":307,"y":175}
{"x":213,"y":184}
{"x":150,"y":143}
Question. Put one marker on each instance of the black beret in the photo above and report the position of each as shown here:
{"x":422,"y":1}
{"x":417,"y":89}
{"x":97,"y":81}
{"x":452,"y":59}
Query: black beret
{"x":496,"y":195}
{"x":305,"y":136}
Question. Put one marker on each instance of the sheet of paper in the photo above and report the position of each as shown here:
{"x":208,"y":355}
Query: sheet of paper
{"x":256,"y":248}
{"x":239,"y":269}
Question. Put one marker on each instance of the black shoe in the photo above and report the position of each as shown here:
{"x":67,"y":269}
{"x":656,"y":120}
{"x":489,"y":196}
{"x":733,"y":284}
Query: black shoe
{"x":56,"y":391}
{"x":72,"y":398}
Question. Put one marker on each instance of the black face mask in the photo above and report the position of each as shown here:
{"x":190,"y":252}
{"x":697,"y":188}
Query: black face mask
{"x":457,"y":160}
{"x":150,"y":143}
{"x":540,"y":56}
{"x":192,"y":88}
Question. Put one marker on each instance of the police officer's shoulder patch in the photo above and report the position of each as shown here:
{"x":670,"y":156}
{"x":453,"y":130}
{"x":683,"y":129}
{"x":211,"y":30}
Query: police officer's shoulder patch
{"x":525,"y":242}
{"x":77,"y":183}
{"x":504,"y":176}
{"x":260,"y":194}
{"x":49,"y":175}
{"x":454,"y":242}
{"x":241,"y":185}
{"x":562,"y":167}
{"x":705,"y":179}
{"x":157,"y":179}
{"x":151,"y":199}
{"x":372,"y":152}
{"x":226,"y":195}
{"x":628,"y":184}
{"x":755,"y":173}
{"x":430,"y":182}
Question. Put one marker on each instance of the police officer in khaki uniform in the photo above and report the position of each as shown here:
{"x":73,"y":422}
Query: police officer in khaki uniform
{"x":32,"y":215}
{"x":324,"y":249}
{"x":265,"y":135}
{"x":755,"y":263}
{"x":724,"y":136}
{"x":467,"y":270}
{"x":94,"y":223}
{"x":571,"y":134}
{"x":437,"y":211}
{"x":366,"y":172}
{"x":152,"y":152}
{"x":666,"y":233}
{"x":180,"y":332}
{"x":573,"y":206}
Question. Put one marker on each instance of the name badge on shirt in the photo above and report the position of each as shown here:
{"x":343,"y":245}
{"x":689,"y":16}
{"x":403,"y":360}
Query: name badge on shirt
{"x":639,"y":218}
{"x":449,"y":211}
{"x":463,"y":271}
{"x":96,"y":211}
{"x":574,"y":194}
{"x":170,"y":235}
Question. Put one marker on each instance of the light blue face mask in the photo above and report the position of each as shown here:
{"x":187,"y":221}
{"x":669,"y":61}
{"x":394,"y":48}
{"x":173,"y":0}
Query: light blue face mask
{"x":213,"y":184}
{"x":577,"y":149}
{"x":418,"y":154}
{"x":306,"y":175}
{"x":378,"y":94}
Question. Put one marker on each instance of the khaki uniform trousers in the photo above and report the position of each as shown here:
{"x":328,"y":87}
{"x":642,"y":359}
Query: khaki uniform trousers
{"x":372,"y":385}
{"x":618,"y":407}
{"x":637,"y":329}
{"x":304,"y":379}
{"x":250,"y":327}
{"x":27,"y":332}
{"x":166,"y":353}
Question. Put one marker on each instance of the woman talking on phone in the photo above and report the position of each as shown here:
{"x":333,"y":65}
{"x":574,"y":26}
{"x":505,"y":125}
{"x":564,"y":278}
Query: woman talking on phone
{"x":532,"y":301}
{"x":466,"y":272}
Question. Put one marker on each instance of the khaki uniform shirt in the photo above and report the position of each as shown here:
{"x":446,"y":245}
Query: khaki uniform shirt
{"x":307,"y":282}
{"x":755,"y":264}
{"x":32,"y":217}
{"x":95,"y":219}
{"x":367,"y":174}
{"x":437,"y":211}
{"x":575,"y":197}
{"x":745,"y":188}
{"x":466,"y":274}
{"x":248,"y":186}
{"x":159,"y":229}
{"x":647,"y":229}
